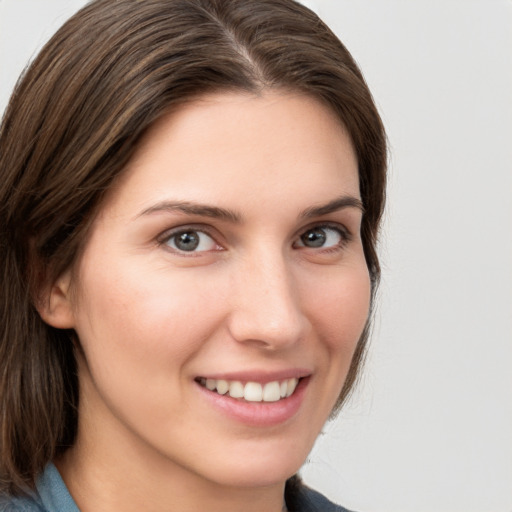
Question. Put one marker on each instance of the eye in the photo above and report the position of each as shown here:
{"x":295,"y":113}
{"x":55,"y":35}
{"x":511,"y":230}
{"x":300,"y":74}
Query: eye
{"x":324,"y":237}
{"x":190,"y":240}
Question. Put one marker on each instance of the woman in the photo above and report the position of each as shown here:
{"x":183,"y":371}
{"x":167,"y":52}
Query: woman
{"x":190,"y":200}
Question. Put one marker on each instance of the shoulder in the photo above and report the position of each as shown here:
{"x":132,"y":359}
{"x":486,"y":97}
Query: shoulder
{"x":50,"y":495}
{"x":20,"y":504}
{"x":313,"y":501}
{"x":300,"y":498}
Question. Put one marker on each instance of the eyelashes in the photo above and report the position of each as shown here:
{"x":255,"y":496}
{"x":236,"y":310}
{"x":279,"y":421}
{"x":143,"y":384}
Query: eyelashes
{"x":191,"y":240}
{"x":324,"y":236}
{"x":194,"y":240}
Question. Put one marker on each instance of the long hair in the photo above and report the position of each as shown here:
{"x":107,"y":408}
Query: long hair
{"x":72,"y":124}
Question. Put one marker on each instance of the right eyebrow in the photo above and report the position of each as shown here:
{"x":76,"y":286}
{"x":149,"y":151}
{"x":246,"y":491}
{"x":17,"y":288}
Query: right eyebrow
{"x":193,"y":208}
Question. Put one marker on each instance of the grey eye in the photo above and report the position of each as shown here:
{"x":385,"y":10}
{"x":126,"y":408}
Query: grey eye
{"x":321,"y":236}
{"x":191,"y":240}
{"x":314,"y":237}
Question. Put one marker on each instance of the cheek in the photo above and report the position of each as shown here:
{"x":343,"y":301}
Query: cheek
{"x":144,"y":320}
{"x":139,"y":331}
{"x":341,"y":305}
{"x":340,"y":310}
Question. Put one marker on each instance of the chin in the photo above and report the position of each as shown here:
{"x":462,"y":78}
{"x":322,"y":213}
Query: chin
{"x":263,"y":467}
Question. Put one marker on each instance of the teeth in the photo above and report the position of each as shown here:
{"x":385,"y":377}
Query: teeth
{"x":253,"y":391}
{"x":222,"y":387}
{"x":290,"y":386}
{"x":236,"y":390}
{"x":272,"y":392}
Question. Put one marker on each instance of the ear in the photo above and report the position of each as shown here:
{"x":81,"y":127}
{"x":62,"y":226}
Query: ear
{"x":55,"y":306}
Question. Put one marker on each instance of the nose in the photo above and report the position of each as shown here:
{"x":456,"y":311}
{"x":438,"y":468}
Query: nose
{"x":266,"y":309}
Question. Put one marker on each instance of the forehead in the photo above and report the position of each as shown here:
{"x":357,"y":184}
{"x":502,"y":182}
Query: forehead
{"x":222,"y":146}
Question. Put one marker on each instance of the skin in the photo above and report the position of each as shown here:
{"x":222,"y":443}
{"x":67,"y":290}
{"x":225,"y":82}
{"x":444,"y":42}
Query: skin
{"x":150,"y":319}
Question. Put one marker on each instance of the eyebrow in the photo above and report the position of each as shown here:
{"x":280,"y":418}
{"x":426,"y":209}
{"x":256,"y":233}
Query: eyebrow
{"x":339,"y":203}
{"x":215,"y":212}
{"x":192,"y":208}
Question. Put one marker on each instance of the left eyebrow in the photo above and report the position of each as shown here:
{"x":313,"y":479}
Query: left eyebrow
{"x":332,"y":206}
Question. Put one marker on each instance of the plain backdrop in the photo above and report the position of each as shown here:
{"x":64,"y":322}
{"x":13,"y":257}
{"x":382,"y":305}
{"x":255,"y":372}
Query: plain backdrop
{"x":430,"y":426}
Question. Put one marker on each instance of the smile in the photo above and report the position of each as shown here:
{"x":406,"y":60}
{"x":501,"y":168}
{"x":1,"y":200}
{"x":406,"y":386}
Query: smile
{"x":251,"y":391}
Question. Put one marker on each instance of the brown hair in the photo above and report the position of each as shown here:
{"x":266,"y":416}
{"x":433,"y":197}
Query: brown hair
{"x":72,"y":124}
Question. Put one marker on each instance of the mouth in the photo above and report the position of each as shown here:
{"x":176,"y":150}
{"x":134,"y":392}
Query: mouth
{"x":253,"y":399}
{"x":273,"y":391}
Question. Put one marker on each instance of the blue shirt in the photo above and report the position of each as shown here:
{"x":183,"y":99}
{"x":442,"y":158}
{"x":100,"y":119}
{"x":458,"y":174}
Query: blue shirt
{"x":52,"y":495}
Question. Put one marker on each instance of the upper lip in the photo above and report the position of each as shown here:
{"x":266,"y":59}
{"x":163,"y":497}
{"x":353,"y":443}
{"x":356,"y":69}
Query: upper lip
{"x":261,"y":376}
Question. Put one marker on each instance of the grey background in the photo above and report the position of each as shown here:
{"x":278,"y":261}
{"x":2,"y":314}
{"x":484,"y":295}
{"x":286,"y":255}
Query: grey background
{"x":429,"y":428}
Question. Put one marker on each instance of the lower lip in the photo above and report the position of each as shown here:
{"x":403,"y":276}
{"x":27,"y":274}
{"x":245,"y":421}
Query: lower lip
{"x":259,"y":414}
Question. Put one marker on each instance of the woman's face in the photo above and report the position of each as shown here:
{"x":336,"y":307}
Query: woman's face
{"x":227,"y":256}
